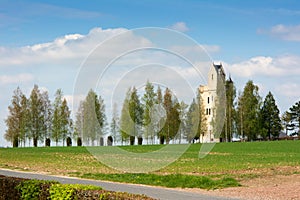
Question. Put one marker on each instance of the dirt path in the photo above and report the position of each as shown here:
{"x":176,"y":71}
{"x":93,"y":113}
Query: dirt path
{"x":276,"y":187}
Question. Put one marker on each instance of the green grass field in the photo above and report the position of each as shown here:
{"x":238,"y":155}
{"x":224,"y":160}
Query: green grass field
{"x":225,"y":161}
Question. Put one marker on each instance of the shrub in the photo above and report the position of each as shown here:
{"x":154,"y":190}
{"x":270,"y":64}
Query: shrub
{"x":34,"y":189}
{"x":7,"y":188}
{"x":69,"y":191}
{"x":18,"y":188}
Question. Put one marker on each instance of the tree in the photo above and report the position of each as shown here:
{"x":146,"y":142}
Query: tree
{"x":36,"y":118}
{"x":14,"y":119}
{"x":172,"y":122}
{"x":201,"y":118}
{"x":248,"y":111}
{"x":93,"y":117}
{"x":114,"y":125}
{"x":66,"y":122}
{"x":78,"y":133}
{"x":295,"y":117}
{"x":57,"y":126}
{"x":167,"y":103}
{"x":287,"y":122}
{"x":46,"y":115}
{"x":183,"y":120}
{"x":136,"y":114}
{"x":148,"y":103}
{"x":160,"y":113}
{"x":24,"y":128}
{"x":270,"y":117}
{"x":191,"y":122}
{"x":175,"y":121}
{"x":100,"y":113}
{"x":229,"y":127}
{"x":126,"y":124}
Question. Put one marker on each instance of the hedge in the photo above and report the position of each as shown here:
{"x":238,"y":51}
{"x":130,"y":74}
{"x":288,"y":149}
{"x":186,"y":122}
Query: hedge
{"x":25,"y":189}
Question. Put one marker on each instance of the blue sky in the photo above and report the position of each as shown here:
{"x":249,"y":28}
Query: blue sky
{"x":256,"y":40}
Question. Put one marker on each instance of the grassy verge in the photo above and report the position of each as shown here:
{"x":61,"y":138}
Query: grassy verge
{"x":171,"y":180}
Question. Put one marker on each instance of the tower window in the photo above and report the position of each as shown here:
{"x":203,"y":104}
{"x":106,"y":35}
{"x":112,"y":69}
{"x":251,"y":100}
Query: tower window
{"x":208,"y":111}
{"x":208,"y":100}
{"x":212,"y":77}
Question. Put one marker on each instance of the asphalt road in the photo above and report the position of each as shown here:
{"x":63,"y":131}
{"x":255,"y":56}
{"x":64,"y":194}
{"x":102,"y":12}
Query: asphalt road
{"x":155,"y":192}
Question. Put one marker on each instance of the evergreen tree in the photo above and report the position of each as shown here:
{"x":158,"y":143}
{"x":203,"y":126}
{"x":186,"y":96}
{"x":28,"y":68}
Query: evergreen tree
{"x":295,"y":117}
{"x":228,"y":129}
{"x":172,"y":122}
{"x":191,"y":122}
{"x":148,"y":103}
{"x":270,"y":117}
{"x":287,"y":122}
{"x":175,"y":121}
{"x":136,"y":114}
{"x":248,"y":111}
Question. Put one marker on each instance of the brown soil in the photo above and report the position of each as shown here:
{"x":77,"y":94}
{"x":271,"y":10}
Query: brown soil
{"x":269,"y":187}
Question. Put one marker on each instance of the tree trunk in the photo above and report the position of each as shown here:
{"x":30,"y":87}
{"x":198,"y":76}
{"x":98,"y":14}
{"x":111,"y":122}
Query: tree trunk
{"x":132,"y":138}
{"x":35,"y":142}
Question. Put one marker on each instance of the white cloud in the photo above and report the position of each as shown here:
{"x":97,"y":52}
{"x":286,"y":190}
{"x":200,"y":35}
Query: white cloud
{"x":267,"y":66}
{"x":72,"y":48}
{"x":180,"y":26}
{"x":19,"y":78}
{"x":289,"y":89}
{"x":284,"y":32}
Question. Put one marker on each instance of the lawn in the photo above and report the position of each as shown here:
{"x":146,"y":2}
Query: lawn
{"x":224,"y":162}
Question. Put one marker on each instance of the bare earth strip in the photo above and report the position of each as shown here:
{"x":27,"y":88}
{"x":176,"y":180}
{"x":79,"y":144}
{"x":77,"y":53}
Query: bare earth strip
{"x":270,"y":187}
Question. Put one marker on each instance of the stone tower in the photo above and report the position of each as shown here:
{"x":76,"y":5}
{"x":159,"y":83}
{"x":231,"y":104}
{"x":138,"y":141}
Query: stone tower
{"x":216,"y":75}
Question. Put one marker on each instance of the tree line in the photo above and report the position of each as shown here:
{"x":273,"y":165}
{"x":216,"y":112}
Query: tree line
{"x":251,"y":117}
{"x":155,"y":116}
{"x":37,"y":119}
